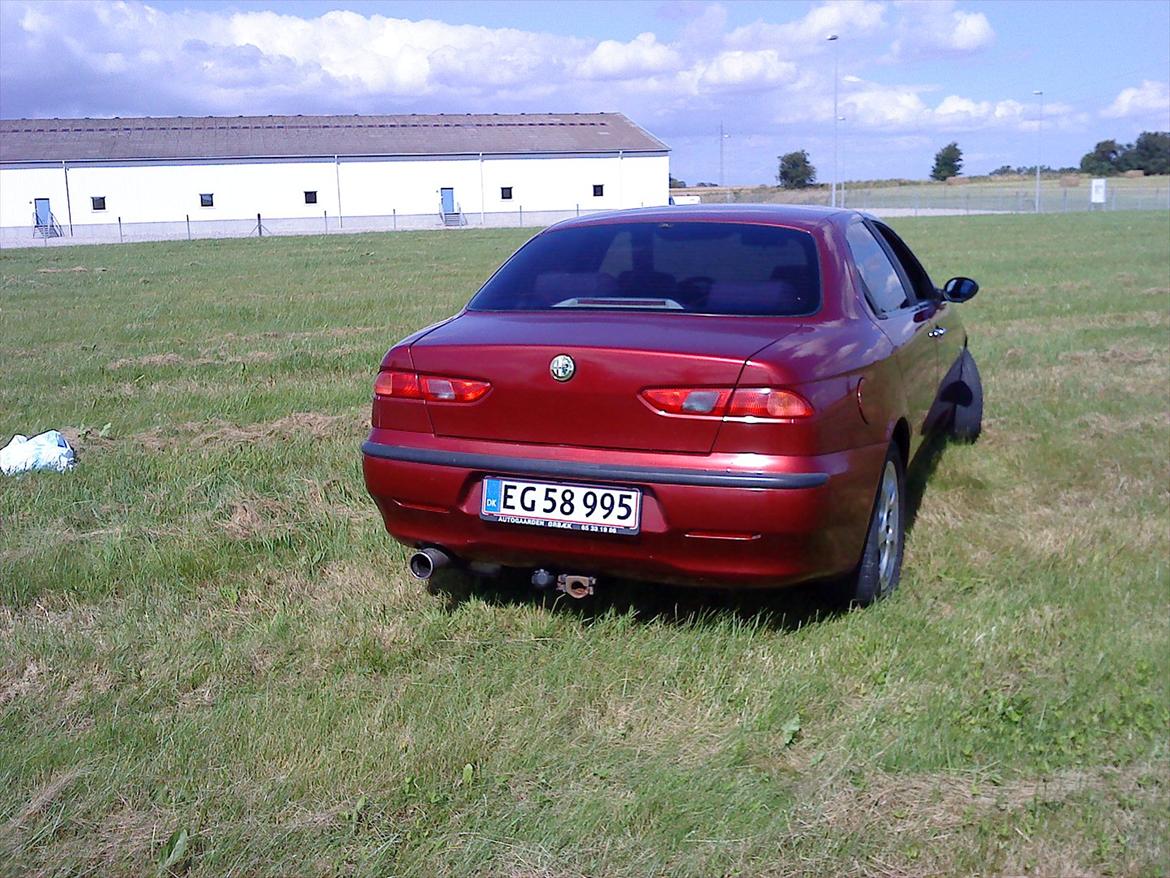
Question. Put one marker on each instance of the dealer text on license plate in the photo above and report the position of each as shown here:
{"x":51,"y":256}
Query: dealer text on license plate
{"x":589,"y":508}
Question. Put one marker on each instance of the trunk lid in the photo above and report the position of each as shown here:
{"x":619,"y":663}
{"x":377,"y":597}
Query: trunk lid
{"x":615,"y":355}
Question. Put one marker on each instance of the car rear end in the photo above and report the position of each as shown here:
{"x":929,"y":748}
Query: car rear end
{"x":629,"y":398}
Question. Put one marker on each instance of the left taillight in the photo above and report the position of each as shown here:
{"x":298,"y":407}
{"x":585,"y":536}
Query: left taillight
{"x":400,"y":384}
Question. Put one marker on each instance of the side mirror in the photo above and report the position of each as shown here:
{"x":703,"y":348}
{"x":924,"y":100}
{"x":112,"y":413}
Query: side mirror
{"x":960,"y":289}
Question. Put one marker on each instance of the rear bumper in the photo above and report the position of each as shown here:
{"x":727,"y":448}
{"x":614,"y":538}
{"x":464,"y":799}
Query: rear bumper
{"x":715,"y":520}
{"x":570,"y":469}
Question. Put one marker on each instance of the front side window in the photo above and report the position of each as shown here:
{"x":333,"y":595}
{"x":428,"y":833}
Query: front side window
{"x":207,"y":199}
{"x":311,"y":196}
{"x":99,"y":202}
{"x":689,"y":267}
{"x":882,"y":282}
{"x":598,"y":190}
{"x":505,"y":193}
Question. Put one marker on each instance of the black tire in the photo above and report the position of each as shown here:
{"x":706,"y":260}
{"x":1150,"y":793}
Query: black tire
{"x":880,"y":568}
{"x":967,"y":419}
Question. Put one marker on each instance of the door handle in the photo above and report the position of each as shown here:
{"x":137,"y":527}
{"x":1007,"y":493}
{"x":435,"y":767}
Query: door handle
{"x":937,"y":331}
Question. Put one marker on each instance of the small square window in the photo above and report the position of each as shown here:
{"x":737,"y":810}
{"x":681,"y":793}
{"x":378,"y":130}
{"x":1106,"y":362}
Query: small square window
{"x":310,"y":197}
{"x":99,"y":202}
{"x":598,"y":190}
{"x":506,"y":193}
{"x":207,"y":199}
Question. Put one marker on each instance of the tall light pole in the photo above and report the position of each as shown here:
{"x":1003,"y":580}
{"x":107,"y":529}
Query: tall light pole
{"x":832,"y":38}
{"x":721,"y":136}
{"x":1039,"y":145}
{"x":841,"y":184}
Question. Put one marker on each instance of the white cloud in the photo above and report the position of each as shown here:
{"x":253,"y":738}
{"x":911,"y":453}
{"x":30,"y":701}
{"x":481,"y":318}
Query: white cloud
{"x":642,"y":55}
{"x":1148,"y":99}
{"x":739,"y":69}
{"x":807,"y":35}
{"x":933,"y":28}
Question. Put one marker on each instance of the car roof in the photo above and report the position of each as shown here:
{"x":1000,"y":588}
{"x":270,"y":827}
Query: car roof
{"x":795,"y":216}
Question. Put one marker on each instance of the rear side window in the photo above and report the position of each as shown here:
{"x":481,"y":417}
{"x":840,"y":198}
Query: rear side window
{"x":881,"y":279}
{"x":689,"y":267}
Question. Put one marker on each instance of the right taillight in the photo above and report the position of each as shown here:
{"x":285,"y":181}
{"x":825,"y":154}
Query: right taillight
{"x":763,"y":403}
{"x":768,"y":402}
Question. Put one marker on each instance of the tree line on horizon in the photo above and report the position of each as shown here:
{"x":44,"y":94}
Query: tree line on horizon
{"x":1150,"y":154}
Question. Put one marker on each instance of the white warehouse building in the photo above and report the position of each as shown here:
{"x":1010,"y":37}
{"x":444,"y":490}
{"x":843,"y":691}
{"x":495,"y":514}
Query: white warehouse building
{"x":111,"y":179}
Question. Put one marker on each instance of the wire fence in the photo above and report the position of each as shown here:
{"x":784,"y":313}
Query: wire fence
{"x":927,"y":200}
{"x":185,"y":228}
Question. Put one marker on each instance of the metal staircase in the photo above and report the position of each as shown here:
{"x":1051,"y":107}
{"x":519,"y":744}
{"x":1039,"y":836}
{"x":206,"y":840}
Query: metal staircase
{"x":453,"y":219}
{"x":50,"y":229}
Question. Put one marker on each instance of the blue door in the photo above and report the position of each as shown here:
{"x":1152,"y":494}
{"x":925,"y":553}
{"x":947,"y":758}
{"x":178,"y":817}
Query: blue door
{"x":44,"y":215}
{"x":448,"y":196}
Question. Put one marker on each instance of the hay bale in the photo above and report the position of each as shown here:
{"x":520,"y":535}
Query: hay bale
{"x":1070,"y":181}
{"x":1132,"y":174}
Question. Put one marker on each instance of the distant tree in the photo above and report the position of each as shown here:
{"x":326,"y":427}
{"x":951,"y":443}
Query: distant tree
{"x":705,"y":185}
{"x":1150,"y":153}
{"x":676,"y":183}
{"x":948,"y":162}
{"x":1003,"y":171}
{"x":1104,"y":160}
{"x":796,"y":171}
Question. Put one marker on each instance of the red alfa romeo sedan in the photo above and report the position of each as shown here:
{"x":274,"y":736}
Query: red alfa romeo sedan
{"x":721,"y":396}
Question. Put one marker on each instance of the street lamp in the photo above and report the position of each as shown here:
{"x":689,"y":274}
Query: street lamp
{"x":841,"y":184}
{"x":832,"y":38}
{"x":1039,"y":145}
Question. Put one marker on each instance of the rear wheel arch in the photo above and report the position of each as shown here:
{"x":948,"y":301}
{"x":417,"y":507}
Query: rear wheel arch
{"x":900,"y":437}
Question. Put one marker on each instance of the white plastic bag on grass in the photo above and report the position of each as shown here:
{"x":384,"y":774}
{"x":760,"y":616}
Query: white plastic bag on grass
{"x":49,"y":450}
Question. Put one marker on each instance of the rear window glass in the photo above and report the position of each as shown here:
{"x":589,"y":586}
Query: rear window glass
{"x":689,"y":267}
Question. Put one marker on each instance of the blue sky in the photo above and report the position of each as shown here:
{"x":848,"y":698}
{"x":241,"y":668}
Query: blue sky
{"x":912,"y":75}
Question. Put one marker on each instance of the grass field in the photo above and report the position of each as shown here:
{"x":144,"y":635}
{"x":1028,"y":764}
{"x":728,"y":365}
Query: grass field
{"x":210,"y":656}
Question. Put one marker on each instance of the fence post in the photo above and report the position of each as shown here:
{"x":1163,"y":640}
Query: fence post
{"x":259,"y":227}
{"x":188,"y":227}
{"x":1064,"y":202}
{"x":394,"y":210}
{"x":120,"y":239}
{"x":325,"y":214}
{"x":521,"y":216}
{"x":578,"y":210}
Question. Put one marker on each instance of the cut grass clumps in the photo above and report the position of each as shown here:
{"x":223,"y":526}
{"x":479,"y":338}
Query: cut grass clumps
{"x":212,"y":661}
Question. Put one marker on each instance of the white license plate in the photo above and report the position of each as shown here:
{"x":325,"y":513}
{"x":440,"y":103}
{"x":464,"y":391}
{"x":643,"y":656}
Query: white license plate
{"x":589,"y":508}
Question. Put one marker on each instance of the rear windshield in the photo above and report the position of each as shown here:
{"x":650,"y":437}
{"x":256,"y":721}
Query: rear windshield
{"x":688,"y":267}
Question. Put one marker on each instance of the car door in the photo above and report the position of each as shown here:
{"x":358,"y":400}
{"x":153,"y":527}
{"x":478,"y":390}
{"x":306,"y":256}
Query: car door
{"x":905,"y":320}
{"x":949,"y":336}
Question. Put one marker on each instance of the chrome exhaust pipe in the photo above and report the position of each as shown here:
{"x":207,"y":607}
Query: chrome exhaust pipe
{"x":425,"y":562}
{"x":576,"y":586}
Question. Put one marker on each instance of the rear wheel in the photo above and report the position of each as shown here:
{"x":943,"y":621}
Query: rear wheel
{"x":881,"y":561}
{"x":967,"y":420}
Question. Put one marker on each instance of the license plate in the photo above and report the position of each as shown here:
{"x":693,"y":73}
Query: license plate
{"x":589,"y":508}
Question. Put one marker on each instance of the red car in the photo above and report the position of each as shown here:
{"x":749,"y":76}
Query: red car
{"x":713,"y":395}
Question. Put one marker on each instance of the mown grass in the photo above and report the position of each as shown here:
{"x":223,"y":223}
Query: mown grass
{"x":204,"y":628}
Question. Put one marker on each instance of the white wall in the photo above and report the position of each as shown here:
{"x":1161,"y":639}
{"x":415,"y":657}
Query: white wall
{"x":18,"y":188}
{"x":158,"y":192}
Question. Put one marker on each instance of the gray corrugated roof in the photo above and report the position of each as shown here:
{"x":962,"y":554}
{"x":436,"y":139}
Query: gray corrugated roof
{"x":33,"y":140}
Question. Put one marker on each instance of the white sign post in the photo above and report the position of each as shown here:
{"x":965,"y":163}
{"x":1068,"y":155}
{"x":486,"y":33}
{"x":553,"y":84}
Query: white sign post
{"x":1097,"y":191}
